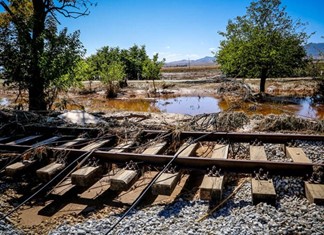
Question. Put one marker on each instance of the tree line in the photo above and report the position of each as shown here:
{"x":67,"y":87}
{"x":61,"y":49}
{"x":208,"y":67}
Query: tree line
{"x":113,"y":66}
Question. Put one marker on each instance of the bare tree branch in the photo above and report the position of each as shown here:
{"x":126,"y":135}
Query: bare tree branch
{"x":70,"y":8}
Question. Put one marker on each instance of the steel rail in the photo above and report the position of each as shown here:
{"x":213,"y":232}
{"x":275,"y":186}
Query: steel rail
{"x":240,"y":137}
{"x":197,"y":163}
{"x":190,"y":163}
{"x":210,"y":136}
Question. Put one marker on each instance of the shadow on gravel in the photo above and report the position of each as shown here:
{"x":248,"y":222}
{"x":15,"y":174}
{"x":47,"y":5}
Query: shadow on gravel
{"x":226,"y":210}
{"x":173,"y":209}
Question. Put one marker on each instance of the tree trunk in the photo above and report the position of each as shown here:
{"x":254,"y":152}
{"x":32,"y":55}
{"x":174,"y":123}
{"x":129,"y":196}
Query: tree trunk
{"x":263,"y":80}
{"x":36,"y":87}
{"x":36,"y":96}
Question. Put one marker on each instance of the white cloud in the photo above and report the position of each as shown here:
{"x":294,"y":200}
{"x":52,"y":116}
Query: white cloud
{"x":212,"y":48}
{"x":167,"y":47}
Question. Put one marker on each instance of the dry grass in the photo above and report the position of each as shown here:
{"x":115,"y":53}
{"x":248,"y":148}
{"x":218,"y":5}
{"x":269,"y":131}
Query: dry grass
{"x":223,"y":121}
{"x":189,"y":69}
{"x":290,"y":123}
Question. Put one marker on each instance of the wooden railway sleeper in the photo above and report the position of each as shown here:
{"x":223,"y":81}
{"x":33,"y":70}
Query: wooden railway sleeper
{"x":262,"y":188}
{"x":124,"y":179}
{"x":211,"y":187}
{"x":314,"y":187}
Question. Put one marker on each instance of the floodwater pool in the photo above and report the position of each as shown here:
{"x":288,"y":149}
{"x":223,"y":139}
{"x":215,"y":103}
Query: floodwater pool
{"x":194,"y":105}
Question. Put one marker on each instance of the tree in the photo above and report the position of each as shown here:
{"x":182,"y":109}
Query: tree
{"x":265,"y":42}
{"x":114,"y":72}
{"x":152,"y":69}
{"x":112,"y":65}
{"x":134,"y":59}
{"x":104,"y":56}
{"x":33,"y":55}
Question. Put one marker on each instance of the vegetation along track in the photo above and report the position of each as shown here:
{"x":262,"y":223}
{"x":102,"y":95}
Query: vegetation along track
{"x":62,"y":166}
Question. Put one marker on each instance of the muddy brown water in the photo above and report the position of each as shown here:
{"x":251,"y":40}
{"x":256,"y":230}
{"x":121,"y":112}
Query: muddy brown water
{"x":193,"y":105}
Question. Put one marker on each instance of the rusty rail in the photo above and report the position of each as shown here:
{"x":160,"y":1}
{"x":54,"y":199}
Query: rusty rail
{"x":240,"y":137}
{"x":198,"y":163}
{"x":190,"y":163}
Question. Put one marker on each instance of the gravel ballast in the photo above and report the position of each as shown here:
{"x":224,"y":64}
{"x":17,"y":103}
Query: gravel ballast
{"x":291,"y":215}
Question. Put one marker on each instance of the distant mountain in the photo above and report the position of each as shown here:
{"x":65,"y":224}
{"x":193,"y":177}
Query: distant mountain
{"x":314,"y":49}
{"x":208,"y":60}
{"x":205,"y":60}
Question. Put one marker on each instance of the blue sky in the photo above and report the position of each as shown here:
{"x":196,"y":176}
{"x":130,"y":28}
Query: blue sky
{"x":176,"y":29}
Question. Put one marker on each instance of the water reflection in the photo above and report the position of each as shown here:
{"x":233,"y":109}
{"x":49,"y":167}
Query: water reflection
{"x":4,"y":102}
{"x":303,"y":107}
{"x":307,"y":109}
{"x":189,"y":105}
{"x":193,"y":105}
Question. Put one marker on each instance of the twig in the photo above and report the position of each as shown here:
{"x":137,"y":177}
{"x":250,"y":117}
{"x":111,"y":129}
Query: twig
{"x":222,"y":202}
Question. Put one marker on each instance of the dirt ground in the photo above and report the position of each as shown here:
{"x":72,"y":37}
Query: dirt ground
{"x":194,"y":83}
{"x":200,"y":84}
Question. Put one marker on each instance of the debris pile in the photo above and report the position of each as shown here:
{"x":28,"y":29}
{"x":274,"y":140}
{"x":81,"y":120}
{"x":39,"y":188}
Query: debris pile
{"x":289,"y":123}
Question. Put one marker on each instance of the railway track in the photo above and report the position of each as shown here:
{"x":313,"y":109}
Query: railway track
{"x":77,"y":169}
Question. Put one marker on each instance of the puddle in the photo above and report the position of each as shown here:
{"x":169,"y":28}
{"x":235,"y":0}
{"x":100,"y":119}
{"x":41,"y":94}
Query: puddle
{"x":200,"y":105}
{"x":194,"y":105}
{"x":189,"y":105}
{"x":4,"y":102}
{"x":308,"y":109}
{"x":104,"y":105}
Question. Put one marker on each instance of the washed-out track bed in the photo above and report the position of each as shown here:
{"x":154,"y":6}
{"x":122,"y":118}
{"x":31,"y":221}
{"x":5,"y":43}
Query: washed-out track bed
{"x":68,"y":170}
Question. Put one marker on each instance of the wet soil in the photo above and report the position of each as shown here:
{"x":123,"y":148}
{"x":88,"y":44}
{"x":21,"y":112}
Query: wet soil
{"x":201,"y":94}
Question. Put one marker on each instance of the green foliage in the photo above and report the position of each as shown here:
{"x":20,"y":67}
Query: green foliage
{"x":112,"y":72}
{"x":82,"y":71}
{"x":263,"y":43}
{"x":110,"y":75}
{"x":134,"y":59}
{"x":100,"y":61}
{"x":136,"y":63}
{"x":62,"y":52}
{"x":15,"y":56}
{"x":152,"y":68}
{"x":33,"y":54}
